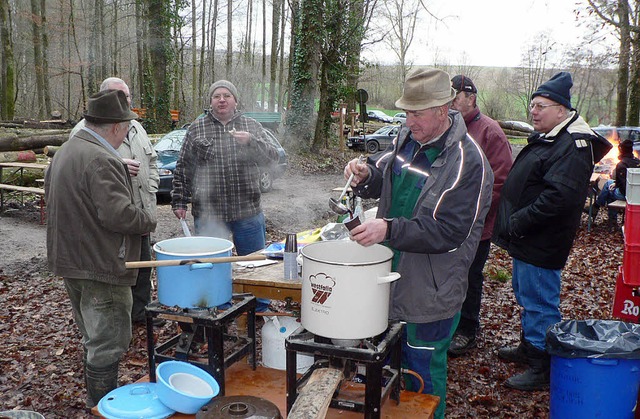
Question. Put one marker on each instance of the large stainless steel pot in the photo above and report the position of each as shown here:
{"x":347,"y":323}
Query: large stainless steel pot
{"x":201,"y":285}
{"x":345,"y":289}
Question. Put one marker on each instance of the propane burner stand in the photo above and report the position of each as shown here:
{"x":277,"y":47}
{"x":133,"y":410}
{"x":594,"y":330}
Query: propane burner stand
{"x":214,"y":323}
{"x":381,"y":380}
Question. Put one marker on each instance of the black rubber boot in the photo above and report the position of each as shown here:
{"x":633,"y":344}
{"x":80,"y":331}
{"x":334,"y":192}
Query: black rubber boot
{"x":100,"y":381}
{"x":535,"y":378}
{"x":515,"y":354}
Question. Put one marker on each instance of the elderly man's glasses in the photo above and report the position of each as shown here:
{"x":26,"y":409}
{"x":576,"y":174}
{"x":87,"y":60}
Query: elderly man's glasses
{"x":540,"y":106}
{"x":219,"y":96}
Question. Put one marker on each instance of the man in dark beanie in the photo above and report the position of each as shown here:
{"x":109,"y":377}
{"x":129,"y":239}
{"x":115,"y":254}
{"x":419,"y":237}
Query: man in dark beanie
{"x":538,"y":216}
{"x":616,"y":188}
{"x":93,"y":228}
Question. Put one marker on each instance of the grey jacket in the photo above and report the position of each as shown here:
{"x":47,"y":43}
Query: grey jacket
{"x":138,"y":147}
{"x":93,"y":225}
{"x":439,"y":243}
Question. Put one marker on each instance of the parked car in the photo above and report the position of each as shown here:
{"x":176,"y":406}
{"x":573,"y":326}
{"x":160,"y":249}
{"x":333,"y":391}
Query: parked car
{"x":399,"y":118}
{"x":168,"y":149}
{"x":375,"y":142}
{"x":380,"y":116}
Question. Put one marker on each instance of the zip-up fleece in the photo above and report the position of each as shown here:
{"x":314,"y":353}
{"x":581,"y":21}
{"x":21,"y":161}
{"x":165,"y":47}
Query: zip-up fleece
{"x":439,"y":242}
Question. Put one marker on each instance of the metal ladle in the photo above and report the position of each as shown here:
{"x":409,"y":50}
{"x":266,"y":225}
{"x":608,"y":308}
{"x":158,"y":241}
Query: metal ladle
{"x":335,"y":204}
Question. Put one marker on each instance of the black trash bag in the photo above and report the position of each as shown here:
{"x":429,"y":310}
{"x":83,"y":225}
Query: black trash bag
{"x":594,"y":339}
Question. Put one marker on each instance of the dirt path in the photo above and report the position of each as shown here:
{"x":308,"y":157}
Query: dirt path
{"x":296,"y":203}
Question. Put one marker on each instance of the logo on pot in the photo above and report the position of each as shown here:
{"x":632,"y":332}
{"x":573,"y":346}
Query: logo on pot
{"x":322,"y":287}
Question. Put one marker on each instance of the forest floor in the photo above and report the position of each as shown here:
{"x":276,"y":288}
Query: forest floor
{"x":41,"y":356}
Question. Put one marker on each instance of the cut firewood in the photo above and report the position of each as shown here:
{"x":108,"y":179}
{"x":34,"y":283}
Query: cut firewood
{"x":314,"y":398}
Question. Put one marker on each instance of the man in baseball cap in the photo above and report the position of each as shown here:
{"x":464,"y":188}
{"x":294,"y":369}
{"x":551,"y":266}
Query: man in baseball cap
{"x":434,"y":185}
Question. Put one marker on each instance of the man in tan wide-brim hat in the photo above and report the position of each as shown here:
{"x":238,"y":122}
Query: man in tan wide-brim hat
{"x":93,"y":228}
{"x":434,"y":185}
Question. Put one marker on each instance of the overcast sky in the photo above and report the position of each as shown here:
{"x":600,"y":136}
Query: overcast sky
{"x":489,"y":32}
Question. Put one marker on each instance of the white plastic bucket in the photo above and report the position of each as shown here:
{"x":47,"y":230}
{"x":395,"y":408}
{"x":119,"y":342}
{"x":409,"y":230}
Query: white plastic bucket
{"x":274,"y":333}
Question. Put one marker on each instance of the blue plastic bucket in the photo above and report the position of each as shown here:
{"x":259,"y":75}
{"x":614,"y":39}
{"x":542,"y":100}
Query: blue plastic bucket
{"x":197,"y":285}
{"x":593,"y":387}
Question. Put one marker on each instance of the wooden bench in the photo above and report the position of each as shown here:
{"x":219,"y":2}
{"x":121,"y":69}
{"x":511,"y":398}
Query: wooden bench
{"x":619,"y":206}
{"x":23,"y":190}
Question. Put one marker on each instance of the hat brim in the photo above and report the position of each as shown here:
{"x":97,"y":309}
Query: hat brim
{"x":418,"y":105}
{"x":102,"y":120}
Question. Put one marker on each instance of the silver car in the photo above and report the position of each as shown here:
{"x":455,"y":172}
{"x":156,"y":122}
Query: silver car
{"x":399,"y":118}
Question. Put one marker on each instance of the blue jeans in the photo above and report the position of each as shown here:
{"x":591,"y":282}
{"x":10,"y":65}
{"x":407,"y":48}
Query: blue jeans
{"x":249,"y":235}
{"x":608,"y":195}
{"x":537,"y":291}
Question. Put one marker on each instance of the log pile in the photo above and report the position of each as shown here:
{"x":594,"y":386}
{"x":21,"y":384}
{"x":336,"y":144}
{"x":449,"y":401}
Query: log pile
{"x":515,"y":129}
{"x":20,"y":139}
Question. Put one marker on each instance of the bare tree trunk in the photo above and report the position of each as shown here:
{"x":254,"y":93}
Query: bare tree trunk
{"x":7,"y":104}
{"x":140,"y":48}
{"x":114,"y":35}
{"x":104,"y":45}
{"x":45,"y":59}
{"x":212,"y":48}
{"x":160,"y":60}
{"x":633,"y":115}
{"x":194,"y":55}
{"x":623,"y":64}
{"x":294,"y":6}
{"x":249,"y":31}
{"x":229,"y":39}
{"x":263,"y":89}
{"x":273,"y":66}
{"x":281,"y":85}
{"x":37,"y":56}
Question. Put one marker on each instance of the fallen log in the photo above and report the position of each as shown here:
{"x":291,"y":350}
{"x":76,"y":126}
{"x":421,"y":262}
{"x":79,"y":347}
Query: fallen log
{"x":18,"y":156}
{"x":514,"y":133}
{"x":15,"y":143}
{"x":50,"y":150}
{"x":514,"y":126}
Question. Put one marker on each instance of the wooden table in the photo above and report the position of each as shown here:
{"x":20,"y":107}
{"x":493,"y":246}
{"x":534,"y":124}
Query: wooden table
{"x":270,"y":384}
{"x":19,"y":167}
{"x":266,"y":282}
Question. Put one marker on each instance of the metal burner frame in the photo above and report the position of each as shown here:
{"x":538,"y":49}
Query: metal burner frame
{"x":214,"y":322}
{"x":374,"y":356}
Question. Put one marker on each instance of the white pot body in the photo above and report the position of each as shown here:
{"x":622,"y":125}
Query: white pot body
{"x":345,"y":289}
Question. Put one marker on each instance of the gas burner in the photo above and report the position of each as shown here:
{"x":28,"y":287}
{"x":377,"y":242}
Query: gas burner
{"x":347,"y":343}
{"x":207,"y":326}
{"x":362,"y":363}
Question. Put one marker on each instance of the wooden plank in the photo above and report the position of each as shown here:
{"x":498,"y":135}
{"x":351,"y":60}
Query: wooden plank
{"x":314,"y":398}
{"x":37,"y":191}
{"x":617,"y":205}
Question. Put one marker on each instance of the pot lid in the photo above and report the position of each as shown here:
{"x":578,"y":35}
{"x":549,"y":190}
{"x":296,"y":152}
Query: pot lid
{"x":239,"y":407}
{"x":134,"y":401}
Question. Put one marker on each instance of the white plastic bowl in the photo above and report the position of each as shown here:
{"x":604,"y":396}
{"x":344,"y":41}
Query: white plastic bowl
{"x":183,"y":387}
{"x":190,"y":384}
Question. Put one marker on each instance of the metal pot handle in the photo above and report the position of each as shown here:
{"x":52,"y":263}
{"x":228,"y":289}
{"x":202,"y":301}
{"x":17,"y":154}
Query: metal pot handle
{"x":389,"y":278}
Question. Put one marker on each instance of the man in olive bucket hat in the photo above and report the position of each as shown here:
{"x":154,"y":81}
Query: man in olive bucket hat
{"x":434,"y":185}
{"x":93,"y":228}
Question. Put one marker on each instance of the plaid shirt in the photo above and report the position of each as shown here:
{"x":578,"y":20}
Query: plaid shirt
{"x":218,"y":176}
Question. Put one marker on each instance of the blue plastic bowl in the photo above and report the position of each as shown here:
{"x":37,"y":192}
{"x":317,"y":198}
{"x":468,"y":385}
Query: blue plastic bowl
{"x":182,"y":399}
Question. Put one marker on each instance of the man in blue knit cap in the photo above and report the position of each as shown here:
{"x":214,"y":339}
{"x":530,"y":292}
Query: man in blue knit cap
{"x":538,"y":216}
